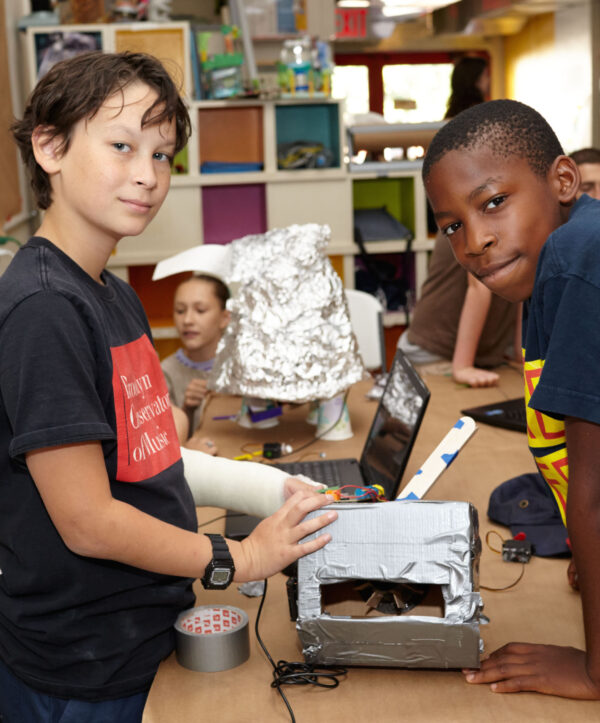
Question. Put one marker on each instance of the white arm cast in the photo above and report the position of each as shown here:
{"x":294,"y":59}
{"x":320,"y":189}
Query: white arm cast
{"x":250,"y":487}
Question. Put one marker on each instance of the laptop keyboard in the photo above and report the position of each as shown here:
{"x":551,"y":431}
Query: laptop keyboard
{"x":517,"y":415}
{"x":326,"y":471}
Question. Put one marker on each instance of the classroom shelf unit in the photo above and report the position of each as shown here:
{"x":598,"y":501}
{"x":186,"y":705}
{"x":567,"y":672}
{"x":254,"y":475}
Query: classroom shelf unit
{"x":45,"y":45}
{"x":227,"y":183}
{"x":233,"y":185}
{"x":400,"y":190}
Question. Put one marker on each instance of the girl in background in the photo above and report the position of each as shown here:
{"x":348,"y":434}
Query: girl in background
{"x":200,"y":318}
{"x":469,"y":84}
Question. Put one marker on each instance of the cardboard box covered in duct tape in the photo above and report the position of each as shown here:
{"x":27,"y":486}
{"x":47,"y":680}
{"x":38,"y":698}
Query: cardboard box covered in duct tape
{"x":396,"y":586}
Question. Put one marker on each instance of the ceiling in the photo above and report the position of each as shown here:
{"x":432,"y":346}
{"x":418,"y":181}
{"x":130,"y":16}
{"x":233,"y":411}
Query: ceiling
{"x":465,"y":17}
{"x":492,"y":17}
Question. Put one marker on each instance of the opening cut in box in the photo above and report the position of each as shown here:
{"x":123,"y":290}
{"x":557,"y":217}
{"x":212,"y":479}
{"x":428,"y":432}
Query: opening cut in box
{"x":375,"y":598}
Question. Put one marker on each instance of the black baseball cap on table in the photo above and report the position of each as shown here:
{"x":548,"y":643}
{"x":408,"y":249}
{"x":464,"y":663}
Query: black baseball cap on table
{"x":526,"y":504}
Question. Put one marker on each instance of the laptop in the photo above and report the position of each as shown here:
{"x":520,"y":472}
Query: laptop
{"x":386,"y":450}
{"x":508,"y":415}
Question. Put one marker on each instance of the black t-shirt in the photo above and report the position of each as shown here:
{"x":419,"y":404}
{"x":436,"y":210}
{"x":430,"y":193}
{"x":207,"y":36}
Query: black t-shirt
{"x":77,"y":364}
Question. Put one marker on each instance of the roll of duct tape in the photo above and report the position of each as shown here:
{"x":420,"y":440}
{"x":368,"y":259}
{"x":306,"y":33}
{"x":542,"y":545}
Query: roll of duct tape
{"x":210,"y":638}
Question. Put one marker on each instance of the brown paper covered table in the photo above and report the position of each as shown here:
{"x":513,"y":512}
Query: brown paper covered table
{"x":540,"y":608}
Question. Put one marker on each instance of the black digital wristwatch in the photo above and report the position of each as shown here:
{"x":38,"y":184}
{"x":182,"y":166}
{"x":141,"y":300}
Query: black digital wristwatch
{"x":220,"y":570}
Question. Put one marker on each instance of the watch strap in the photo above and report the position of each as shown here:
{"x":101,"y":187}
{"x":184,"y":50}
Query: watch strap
{"x":219,"y":547}
{"x":221,"y":559}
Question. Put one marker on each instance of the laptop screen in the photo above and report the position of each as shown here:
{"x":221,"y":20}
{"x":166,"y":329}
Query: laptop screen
{"x":395,"y":427}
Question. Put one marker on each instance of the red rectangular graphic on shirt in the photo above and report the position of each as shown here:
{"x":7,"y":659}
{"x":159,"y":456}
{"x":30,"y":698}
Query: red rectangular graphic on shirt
{"x":146,"y":437}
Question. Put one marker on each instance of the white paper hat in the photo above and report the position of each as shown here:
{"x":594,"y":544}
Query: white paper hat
{"x":211,"y":259}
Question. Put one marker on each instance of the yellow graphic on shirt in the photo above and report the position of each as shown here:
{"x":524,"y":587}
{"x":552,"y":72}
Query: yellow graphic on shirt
{"x":544,"y":431}
{"x":555,"y":470}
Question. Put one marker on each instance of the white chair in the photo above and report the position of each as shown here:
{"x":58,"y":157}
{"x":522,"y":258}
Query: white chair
{"x":366,"y":317}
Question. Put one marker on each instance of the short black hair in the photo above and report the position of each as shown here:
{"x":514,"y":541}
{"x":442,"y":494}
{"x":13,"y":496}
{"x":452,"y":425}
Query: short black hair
{"x":586,"y":155}
{"x":76,"y":88}
{"x":505,"y":127}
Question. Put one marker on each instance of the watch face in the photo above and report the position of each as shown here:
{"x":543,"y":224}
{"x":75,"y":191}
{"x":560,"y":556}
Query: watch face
{"x":220,"y":576}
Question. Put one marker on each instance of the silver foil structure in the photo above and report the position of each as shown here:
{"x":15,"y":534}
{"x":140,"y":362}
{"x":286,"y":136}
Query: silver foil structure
{"x":419,"y":543}
{"x":290,"y":337}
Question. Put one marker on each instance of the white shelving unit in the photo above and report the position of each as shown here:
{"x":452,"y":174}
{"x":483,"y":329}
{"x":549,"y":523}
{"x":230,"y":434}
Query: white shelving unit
{"x":168,"y":41}
{"x":397,"y":185}
{"x":209,"y":207}
{"x":406,"y":200}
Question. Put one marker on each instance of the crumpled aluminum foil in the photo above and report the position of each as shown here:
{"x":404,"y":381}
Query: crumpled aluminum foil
{"x":289,"y":338}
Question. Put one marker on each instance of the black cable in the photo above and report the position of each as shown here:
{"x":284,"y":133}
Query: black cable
{"x":499,"y":552}
{"x":220,"y":517}
{"x":316,"y":438}
{"x":285,"y":673}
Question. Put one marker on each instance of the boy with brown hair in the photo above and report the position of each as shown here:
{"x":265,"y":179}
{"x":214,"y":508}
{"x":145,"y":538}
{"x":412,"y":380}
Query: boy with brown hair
{"x":99,"y":542}
{"x":505,"y":195}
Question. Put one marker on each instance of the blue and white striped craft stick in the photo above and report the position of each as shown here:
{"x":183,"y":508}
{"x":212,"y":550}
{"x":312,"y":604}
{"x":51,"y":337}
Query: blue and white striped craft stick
{"x":439,"y":460}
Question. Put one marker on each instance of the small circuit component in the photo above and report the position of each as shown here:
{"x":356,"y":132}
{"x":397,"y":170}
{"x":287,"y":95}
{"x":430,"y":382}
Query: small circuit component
{"x":516,"y":550}
{"x":273,"y":450}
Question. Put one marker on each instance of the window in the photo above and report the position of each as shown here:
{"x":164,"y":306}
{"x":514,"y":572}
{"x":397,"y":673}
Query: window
{"x":351,"y":82}
{"x":415,"y":93}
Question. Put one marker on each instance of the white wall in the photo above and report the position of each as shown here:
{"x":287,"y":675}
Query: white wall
{"x":557,"y":78}
{"x":573,"y":84}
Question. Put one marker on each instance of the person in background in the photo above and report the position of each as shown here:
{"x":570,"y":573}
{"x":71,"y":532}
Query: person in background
{"x":200,"y":317}
{"x":469,"y":84}
{"x":456,"y":318}
{"x":588,"y":161}
{"x":99,"y":542}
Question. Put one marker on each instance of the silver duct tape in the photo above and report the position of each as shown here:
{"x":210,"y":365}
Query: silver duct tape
{"x":418,"y":642}
{"x":210,"y":638}
{"x":290,"y":337}
{"x":423,"y":542}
